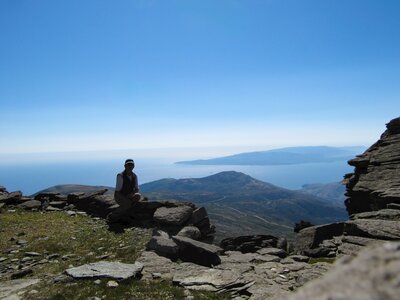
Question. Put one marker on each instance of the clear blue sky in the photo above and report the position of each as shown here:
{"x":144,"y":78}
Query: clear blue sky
{"x":99,"y":75}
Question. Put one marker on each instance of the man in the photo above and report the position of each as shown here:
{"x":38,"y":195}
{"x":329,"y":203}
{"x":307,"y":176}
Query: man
{"x":127,"y":188}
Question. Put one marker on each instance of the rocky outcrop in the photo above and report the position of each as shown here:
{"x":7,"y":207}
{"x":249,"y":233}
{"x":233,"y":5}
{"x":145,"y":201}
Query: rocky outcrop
{"x":376,"y":179}
{"x":373,"y":274}
{"x":249,"y":243}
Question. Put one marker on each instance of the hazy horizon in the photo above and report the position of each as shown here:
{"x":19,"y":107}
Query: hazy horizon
{"x":101,"y":75}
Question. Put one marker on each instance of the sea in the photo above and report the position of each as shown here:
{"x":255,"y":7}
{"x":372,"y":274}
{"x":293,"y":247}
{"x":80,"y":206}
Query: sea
{"x":33,"y":177}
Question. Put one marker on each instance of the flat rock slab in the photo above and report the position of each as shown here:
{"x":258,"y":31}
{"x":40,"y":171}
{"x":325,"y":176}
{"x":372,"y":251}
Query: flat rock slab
{"x":207,"y":280}
{"x":115,"y":270}
{"x":12,"y":287}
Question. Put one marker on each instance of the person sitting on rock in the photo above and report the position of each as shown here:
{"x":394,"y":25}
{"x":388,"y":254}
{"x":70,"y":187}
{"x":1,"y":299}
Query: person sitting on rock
{"x":127,"y":188}
{"x":126,"y":192}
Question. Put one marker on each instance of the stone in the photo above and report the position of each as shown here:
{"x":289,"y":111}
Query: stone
{"x":112,"y":284}
{"x":311,"y":237}
{"x":11,"y":287}
{"x":163,"y":246}
{"x":317,"y":252}
{"x":10,"y":198}
{"x":22,"y":242}
{"x":115,"y":270}
{"x":97,"y":281}
{"x":21,"y":273}
{"x":376,"y":229}
{"x":198,"y":215}
{"x":191,"y":232}
{"x":299,"y":258}
{"x":197,"y":252}
{"x":157,"y":232}
{"x":383,"y":214}
{"x":32,"y":254}
{"x":96,"y":204}
{"x":207,"y":280}
{"x":272,"y":251}
{"x":372,"y":274}
{"x":248,"y":243}
{"x":62,"y":279}
{"x":31,"y":204}
{"x":176,"y":216}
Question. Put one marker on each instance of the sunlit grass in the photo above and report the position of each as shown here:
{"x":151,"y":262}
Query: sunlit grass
{"x":66,"y":241}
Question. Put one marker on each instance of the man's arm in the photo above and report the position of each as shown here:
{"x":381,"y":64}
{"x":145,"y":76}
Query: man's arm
{"x":120,"y":182}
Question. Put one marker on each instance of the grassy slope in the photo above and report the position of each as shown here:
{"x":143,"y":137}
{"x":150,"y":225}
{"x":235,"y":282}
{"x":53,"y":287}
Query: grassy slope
{"x":84,"y":240}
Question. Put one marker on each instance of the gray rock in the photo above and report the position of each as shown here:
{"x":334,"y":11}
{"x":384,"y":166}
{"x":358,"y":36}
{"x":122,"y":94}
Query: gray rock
{"x":10,"y":198}
{"x":191,"y":232}
{"x":31,"y":204}
{"x":383,"y":214}
{"x":299,"y":258}
{"x":163,"y":246}
{"x":115,"y":270}
{"x":10,"y":288}
{"x":317,"y":252}
{"x":173,"y":215}
{"x":21,"y":273}
{"x":198,"y":215}
{"x":157,"y":232}
{"x":311,"y":237}
{"x":373,"y":274}
{"x":208,"y":280}
{"x":272,"y":251}
{"x":376,"y":229}
{"x":393,"y":206}
{"x":197,"y":252}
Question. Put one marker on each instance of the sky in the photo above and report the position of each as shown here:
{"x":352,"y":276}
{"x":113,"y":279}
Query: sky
{"x":81,"y":76}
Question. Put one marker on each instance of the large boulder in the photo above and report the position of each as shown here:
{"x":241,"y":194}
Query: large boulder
{"x":163,"y":246}
{"x":175,"y":216}
{"x":373,"y":274}
{"x":311,"y":237}
{"x":30,"y":204}
{"x":10,"y":198}
{"x":191,"y":232}
{"x":96,"y":204}
{"x":197,"y":252}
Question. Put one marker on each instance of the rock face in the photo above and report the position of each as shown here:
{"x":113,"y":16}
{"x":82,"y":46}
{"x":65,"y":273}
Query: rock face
{"x":249,"y":243}
{"x":376,"y":179}
{"x":373,"y":274}
{"x":373,"y":202}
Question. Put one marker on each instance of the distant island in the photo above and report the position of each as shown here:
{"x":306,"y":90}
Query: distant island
{"x":284,"y":156}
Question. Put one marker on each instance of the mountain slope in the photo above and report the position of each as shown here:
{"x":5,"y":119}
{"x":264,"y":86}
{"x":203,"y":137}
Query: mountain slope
{"x":332,"y":192}
{"x":65,"y":189}
{"x":283,"y":156}
{"x":240,"y":204}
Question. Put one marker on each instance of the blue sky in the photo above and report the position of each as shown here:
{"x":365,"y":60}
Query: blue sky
{"x":100,"y":75}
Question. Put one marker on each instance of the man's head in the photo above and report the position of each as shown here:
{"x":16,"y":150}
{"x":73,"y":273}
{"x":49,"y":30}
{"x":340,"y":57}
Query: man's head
{"x":129,"y":164}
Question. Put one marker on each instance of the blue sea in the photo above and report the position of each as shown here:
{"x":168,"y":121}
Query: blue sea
{"x":31,"y":178}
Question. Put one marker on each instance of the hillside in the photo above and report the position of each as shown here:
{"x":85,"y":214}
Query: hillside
{"x":332,"y":192}
{"x":239,"y":204}
{"x":283,"y":156}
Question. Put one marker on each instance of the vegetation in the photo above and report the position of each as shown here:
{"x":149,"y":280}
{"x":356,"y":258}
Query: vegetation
{"x":63,"y":241}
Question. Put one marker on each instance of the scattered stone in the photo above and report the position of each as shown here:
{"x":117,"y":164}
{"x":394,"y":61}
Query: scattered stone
{"x":272,"y":251}
{"x":156,"y":275}
{"x":97,"y":281}
{"x":3,"y":259}
{"x":114,"y":270}
{"x":112,"y":284}
{"x":62,"y":279}
{"x":33,"y":292}
{"x":32,"y":254}
{"x":26,"y":259}
{"x":21,"y":274}
{"x":52,"y":256}
{"x":22,"y":242}
{"x":70,"y":213}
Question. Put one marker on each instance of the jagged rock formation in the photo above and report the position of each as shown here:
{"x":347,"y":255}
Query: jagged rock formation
{"x":376,"y":179}
{"x":373,"y":198}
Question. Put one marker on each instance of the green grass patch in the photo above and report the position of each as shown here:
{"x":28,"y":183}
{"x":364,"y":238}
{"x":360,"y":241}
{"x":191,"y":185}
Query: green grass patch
{"x":79,"y":240}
